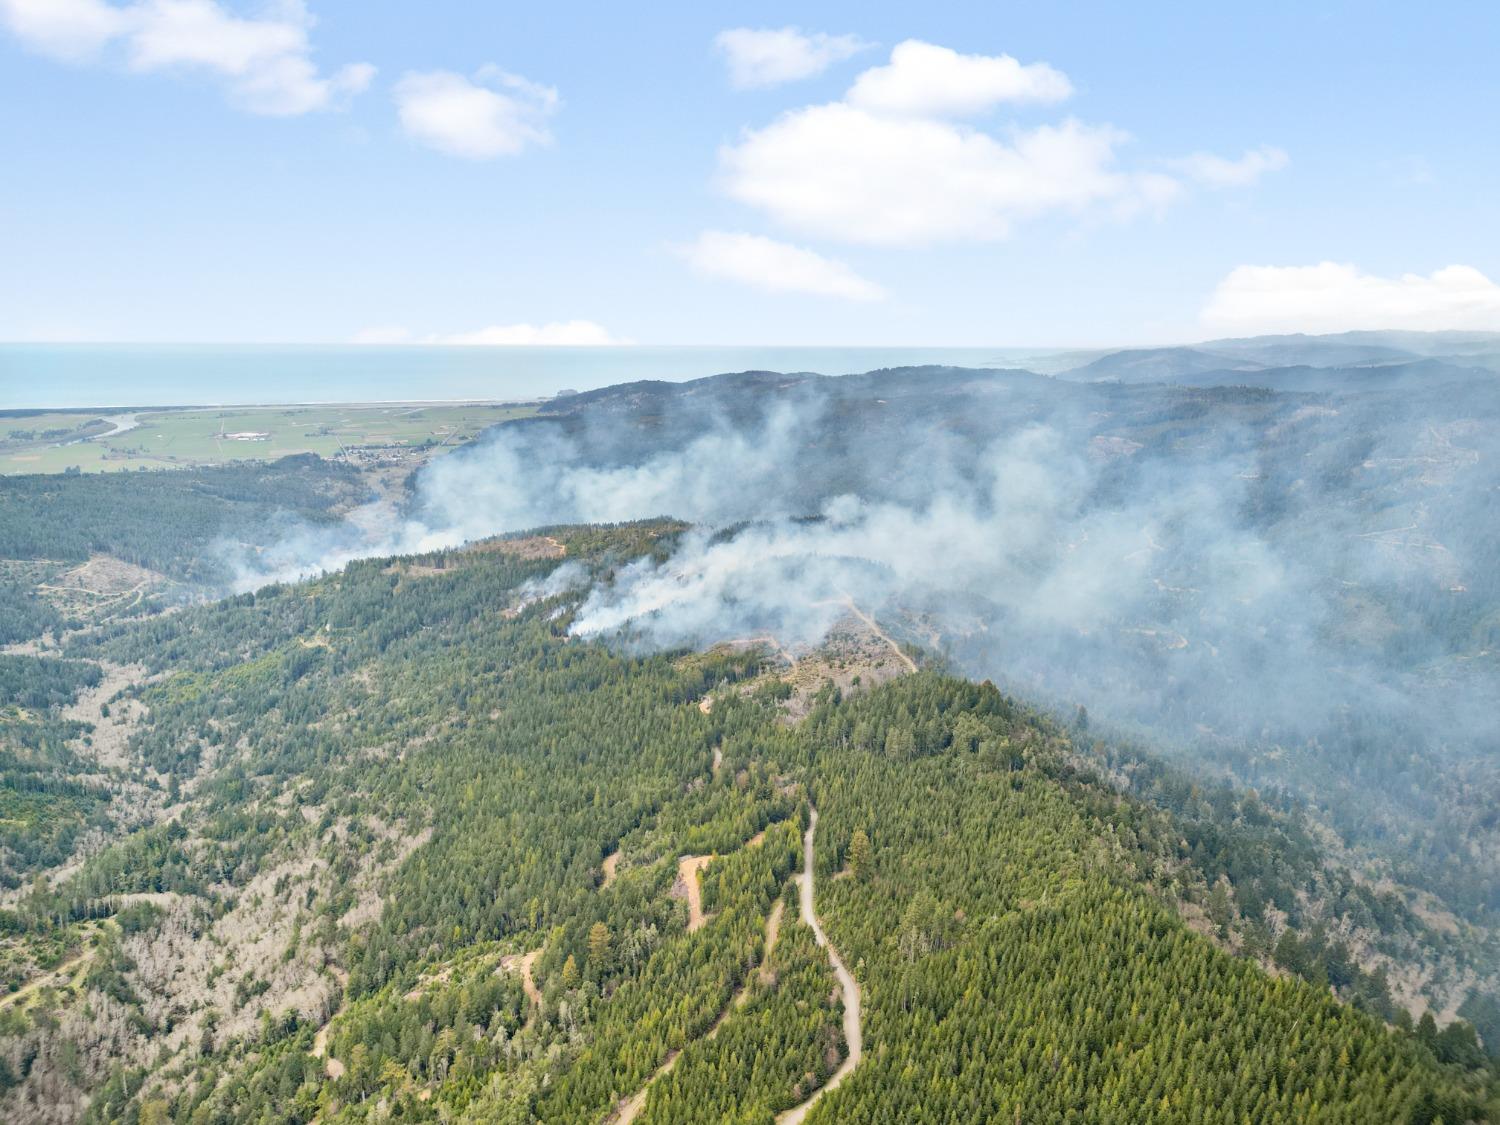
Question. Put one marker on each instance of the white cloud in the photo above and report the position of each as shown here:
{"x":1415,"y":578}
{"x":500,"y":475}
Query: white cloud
{"x":265,"y":62}
{"x":885,"y":166}
{"x":775,"y":266}
{"x":770,"y":56}
{"x":1219,"y":171}
{"x":566,"y":333}
{"x":925,"y":80}
{"x":1332,"y":297}
{"x":840,"y":172}
{"x":893,"y":164}
{"x":498,"y":114}
{"x":64,"y":29}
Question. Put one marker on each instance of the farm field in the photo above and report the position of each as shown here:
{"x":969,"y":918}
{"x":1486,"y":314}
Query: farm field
{"x":84,"y":441}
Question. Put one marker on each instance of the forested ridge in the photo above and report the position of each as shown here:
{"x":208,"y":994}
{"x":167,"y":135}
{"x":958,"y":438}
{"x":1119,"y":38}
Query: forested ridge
{"x":417,"y":858}
{"x":162,"y":520}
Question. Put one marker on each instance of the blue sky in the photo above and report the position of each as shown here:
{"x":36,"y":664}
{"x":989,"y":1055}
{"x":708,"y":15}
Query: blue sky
{"x":1002,"y":174}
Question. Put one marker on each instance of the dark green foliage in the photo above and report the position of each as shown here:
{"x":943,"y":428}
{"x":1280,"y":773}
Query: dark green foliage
{"x":1483,"y":1011}
{"x":24,"y":614}
{"x":165,"y":520}
{"x":39,"y":682}
{"x":767,"y":1055}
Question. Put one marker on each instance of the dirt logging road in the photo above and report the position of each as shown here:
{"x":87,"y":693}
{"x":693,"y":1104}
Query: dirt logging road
{"x":911,"y":665}
{"x":853,"y":1031}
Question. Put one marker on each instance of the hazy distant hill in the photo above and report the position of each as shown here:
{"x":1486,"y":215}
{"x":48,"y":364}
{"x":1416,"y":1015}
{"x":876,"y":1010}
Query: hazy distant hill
{"x":1413,"y":374}
{"x":1229,"y":362}
{"x":1154,"y":365}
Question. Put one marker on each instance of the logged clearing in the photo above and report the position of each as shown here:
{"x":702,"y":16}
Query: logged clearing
{"x":856,"y":655}
{"x":881,"y":634}
{"x":523,"y":547}
{"x":100,"y":586}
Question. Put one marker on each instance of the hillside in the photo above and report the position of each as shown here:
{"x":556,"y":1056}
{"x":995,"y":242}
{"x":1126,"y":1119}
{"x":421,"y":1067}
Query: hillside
{"x":409,"y":848}
{"x":1293,"y":588}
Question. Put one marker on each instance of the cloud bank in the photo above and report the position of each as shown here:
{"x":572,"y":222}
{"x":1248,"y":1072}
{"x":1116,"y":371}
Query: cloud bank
{"x":1335,"y":297}
{"x":1221,"y":172}
{"x":264,"y":63}
{"x":895,"y":163}
{"x":925,"y":80}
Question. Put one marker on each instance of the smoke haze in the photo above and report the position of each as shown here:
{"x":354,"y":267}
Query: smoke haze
{"x":1228,"y":568}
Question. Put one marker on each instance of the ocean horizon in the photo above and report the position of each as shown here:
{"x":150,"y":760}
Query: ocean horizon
{"x":125,"y":376}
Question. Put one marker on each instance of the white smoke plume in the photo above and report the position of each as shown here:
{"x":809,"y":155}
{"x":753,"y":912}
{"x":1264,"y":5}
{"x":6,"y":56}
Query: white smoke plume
{"x":1060,"y":563}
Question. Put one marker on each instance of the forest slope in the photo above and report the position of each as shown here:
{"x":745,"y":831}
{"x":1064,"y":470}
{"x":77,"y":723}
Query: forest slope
{"x":385,"y":786}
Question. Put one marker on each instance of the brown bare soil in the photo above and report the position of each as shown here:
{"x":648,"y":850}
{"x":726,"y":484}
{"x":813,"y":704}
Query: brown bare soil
{"x":689,"y":867}
{"x":524,"y":964}
{"x":856,"y":655}
{"x":773,"y":931}
{"x":870,"y":624}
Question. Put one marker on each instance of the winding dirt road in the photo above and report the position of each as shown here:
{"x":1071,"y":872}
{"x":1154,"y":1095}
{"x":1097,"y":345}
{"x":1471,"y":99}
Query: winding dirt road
{"x":853,"y":1033}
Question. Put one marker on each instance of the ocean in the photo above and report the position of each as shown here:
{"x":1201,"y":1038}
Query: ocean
{"x":35,"y":376}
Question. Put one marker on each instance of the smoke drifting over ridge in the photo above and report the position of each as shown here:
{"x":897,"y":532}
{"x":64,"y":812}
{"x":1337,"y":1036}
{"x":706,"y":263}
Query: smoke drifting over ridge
{"x":1209,"y":558}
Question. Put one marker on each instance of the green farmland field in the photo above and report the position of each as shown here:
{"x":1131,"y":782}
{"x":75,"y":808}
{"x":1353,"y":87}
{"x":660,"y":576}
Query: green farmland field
{"x":53,"y":442}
